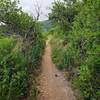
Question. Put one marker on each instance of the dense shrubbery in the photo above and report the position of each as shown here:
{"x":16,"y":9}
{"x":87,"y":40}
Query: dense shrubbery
{"x":15,"y":67}
{"x":13,"y":71}
{"x":20,"y":52}
{"x":78,"y":49}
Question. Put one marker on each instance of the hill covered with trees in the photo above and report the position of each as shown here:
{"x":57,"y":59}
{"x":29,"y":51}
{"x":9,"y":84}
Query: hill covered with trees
{"x":46,"y":25}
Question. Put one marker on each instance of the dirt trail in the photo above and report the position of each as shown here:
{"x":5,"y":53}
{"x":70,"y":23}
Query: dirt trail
{"x":52,"y":84}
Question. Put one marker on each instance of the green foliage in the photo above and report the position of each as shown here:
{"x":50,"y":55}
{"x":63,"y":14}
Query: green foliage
{"x":63,"y":15}
{"x":6,"y":7}
{"x":80,"y":48}
{"x":55,"y":57}
{"x":19,"y":53}
{"x":36,"y":51}
{"x":13,"y":71}
{"x":15,"y":67}
{"x":17,"y":21}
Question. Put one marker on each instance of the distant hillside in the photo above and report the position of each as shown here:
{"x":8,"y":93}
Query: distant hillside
{"x":46,"y":25}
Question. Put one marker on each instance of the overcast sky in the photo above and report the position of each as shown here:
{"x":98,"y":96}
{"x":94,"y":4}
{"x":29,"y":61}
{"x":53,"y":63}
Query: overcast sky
{"x":28,"y":6}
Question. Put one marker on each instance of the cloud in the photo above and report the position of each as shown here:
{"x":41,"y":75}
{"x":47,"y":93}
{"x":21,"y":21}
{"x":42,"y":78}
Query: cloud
{"x":28,"y":6}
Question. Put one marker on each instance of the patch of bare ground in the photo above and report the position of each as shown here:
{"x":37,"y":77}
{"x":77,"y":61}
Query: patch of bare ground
{"x":52,"y":84}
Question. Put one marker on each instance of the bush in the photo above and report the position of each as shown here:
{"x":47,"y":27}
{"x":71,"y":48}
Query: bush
{"x":13,"y":71}
{"x":14,"y":68}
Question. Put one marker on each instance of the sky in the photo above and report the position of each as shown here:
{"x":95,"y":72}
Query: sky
{"x":28,"y":6}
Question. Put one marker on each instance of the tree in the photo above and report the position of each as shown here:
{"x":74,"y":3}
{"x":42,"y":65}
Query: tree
{"x":6,"y":7}
{"x":37,"y":10}
{"x":16,"y":20}
{"x":63,"y":14}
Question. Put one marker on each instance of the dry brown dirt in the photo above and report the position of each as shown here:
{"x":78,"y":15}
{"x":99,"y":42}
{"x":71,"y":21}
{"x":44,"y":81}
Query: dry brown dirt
{"x":52,"y":85}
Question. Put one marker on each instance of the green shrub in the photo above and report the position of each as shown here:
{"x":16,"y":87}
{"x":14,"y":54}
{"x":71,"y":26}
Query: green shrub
{"x":13,"y":71}
{"x":14,"y":68}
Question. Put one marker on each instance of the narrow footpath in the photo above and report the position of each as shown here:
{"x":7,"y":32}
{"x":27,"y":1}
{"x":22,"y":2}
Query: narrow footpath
{"x":52,"y":85}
